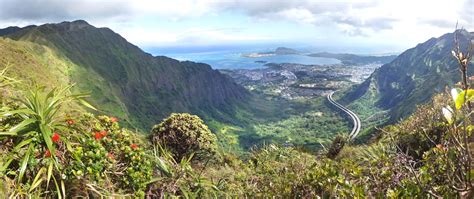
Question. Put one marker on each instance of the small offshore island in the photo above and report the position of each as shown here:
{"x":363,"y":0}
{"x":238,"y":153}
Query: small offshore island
{"x":278,"y":51}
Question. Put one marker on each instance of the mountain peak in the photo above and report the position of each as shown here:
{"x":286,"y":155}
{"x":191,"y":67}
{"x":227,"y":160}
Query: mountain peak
{"x":73,"y":25}
{"x":80,"y":21}
{"x":13,"y":29}
{"x":462,"y":31}
{"x":9,"y":30}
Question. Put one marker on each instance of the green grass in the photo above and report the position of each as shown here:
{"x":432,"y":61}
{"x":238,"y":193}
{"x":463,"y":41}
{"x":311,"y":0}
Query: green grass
{"x":304,"y":123}
{"x":101,"y":94}
{"x":311,"y":124}
{"x":371,"y":116}
{"x":34,"y":64}
{"x":227,"y":136}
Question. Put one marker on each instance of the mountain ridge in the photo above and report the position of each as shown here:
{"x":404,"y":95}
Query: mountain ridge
{"x":149,"y":87}
{"x":413,"y":77}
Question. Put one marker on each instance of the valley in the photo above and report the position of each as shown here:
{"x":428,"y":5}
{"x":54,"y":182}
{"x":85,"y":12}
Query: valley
{"x":278,"y":103}
{"x":309,"y":120}
{"x":87,"y":110}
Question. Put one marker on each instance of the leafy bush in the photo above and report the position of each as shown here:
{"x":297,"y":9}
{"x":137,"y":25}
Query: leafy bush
{"x":43,"y":145}
{"x":275,"y":171}
{"x":108,"y":156}
{"x":179,"y":178}
{"x":184,"y":134}
{"x":284,"y":172}
{"x":441,"y":164}
{"x":421,"y":131}
{"x":336,"y":146}
{"x":40,"y":140}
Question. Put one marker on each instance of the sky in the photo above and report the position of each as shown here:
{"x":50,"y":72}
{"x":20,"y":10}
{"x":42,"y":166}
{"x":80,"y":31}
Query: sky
{"x":367,"y":26}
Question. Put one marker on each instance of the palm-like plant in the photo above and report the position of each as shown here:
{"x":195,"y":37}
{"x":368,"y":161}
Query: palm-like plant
{"x":5,"y":80}
{"x":179,"y":177}
{"x":40,"y":118}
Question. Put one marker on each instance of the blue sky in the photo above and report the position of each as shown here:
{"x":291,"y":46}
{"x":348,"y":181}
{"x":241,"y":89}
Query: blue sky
{"x":366,"y":26}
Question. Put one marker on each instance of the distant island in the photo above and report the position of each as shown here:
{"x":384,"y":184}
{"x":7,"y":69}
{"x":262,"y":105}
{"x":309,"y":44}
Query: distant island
{"x":278,"y":51}
{"x":286,"y":51}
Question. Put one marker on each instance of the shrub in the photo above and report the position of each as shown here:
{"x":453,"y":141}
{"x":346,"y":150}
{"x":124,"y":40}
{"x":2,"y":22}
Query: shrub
{"x":421,"y":131}
{"x":336,"y":146}
{"x":109,"y":156}
{"x":179,"y":178}
{"x":184,"y":134}
{"x":45,"y":151}
{"x":40,"y":139}
{"x":442,"y":164}
{"x":276,"y":171}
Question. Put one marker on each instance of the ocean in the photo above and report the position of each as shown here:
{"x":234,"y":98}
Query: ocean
{"x":235,"y":60}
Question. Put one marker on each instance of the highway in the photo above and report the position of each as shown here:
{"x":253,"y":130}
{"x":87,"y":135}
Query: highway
{"x":353,"y":116}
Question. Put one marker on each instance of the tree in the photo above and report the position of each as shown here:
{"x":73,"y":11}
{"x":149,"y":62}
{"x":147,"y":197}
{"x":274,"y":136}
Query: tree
{"x":336,"y":146}
{"x":184,"y":134}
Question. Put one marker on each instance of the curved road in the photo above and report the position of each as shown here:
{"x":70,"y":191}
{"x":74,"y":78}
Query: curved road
{"x":354,"y":117}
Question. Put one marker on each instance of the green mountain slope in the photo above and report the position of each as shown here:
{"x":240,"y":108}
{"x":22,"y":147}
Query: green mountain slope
{"x":127,"y":82}
{"x":351,"y":59}
{"x":411,"y":79}
{"x":33,"y":63}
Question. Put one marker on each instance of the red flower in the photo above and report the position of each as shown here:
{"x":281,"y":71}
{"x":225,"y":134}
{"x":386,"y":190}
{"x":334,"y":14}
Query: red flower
{"x":56,"y":137}
{"x":103,"y":133}
{"x":134,"y":146}
{"x":113,"y":119}
{"x":440,"y":146}
{"x":98,"y":135}
{"x":111,"y":155}
{"x":47,"y":154}
{"x":70,"y":122}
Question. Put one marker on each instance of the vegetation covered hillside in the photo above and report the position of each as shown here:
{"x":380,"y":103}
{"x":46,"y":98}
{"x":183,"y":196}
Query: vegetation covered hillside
{"x":141,"y":89}
{"x":51,"y":146}
{"x":51,"y":150}
{"x":130,"y":83}
{"x":393,"y":91}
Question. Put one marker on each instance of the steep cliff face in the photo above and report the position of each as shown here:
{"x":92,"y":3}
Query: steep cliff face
{"x":414,"y":76}
{"x":132,"y":83}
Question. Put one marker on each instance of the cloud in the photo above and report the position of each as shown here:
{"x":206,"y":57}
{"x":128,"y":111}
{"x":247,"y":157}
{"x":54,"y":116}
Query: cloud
{"x":181,"y":21}
{"x":173,"y":9}
{"x":380,"y":23}
{"x":192,"y":36}
{"x":366,"y":15}
{"x":265,"y":7}
{"x":40,"y":10}
{"x":467,"y":13}
{"x":300,"y":15}
{"x":345,"y":14}
{"x":358,"y":17}
{"x":441,"y":23}
{"x":351,"y":30}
